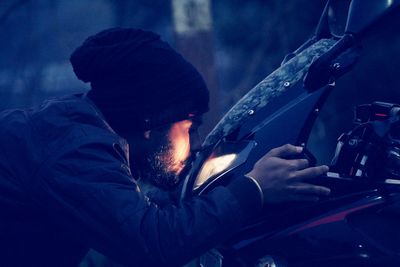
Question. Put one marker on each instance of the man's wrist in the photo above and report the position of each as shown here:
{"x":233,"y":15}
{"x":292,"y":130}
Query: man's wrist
{"x":258,"y":187}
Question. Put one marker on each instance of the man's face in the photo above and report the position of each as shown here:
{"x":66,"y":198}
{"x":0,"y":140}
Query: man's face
{"x":168,"y":152}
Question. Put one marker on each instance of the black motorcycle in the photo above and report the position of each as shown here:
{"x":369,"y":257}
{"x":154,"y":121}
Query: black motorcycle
{"x":357,"y":225}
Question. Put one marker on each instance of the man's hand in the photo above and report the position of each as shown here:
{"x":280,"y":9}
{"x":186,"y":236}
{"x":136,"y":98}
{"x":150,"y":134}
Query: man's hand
{"x":281,"y":179}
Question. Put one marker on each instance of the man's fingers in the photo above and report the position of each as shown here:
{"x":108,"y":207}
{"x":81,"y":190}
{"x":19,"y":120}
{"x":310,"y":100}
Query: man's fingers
{"x":297,"y":164}
{"x":308,"y":189}
{"x":311,"y":172}
{"x":285,"y":151}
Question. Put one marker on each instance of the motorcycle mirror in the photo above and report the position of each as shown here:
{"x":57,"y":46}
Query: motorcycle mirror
{"x":351,"y":16}
{"x":363,"y":14}
{"x":333,"y":19}
{"x":337,"y":14}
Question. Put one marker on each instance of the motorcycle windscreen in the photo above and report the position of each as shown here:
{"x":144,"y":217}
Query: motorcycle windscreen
{"x":280,"y":86}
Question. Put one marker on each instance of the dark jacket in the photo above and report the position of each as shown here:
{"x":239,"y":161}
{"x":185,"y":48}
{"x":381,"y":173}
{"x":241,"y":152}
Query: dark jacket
{"x":66,"y":186}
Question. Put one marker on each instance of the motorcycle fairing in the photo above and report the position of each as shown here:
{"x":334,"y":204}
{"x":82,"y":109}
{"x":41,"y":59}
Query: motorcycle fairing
{"x":322,"y":234}
{"x":263,"y":112}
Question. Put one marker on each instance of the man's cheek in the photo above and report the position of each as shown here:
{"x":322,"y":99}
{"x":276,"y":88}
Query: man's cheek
{"x":181,"y":150}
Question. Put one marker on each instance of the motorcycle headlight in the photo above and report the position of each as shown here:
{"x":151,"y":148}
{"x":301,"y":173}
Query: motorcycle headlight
{"x":224,"y":158}
{"x":214,"y":166}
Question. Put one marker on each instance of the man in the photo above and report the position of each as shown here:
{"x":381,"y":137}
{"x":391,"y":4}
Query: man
{"x":69,"y":166}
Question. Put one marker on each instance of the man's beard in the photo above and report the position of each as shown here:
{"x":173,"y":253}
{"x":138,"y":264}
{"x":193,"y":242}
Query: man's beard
{"x":159,"y":171}
{"x":155,"y":166}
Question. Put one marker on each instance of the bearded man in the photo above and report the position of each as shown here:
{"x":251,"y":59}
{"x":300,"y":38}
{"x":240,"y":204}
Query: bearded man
{"x":69,"y":167}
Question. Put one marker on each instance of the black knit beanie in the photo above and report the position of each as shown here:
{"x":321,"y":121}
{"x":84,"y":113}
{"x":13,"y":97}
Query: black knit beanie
{"x":137,"y":80}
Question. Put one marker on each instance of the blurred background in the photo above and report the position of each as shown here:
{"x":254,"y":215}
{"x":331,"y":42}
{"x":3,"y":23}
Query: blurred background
{"x":234,"y":44}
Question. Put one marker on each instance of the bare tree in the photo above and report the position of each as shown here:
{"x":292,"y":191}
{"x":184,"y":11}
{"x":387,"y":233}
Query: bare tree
{"x":193,"y":34}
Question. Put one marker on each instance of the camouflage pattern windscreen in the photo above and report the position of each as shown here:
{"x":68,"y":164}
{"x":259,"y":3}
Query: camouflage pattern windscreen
{"x":269,"y":88}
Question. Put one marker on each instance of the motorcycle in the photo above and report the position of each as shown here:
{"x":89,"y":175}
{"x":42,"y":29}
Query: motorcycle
{"x":357,"y":224}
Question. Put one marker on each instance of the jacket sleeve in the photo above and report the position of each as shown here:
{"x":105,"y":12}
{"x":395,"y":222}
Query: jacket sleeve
{"x":89,"y":192}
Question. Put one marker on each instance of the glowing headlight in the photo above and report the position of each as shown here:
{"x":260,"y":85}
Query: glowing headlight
{"x":214,"y":166}
{"x":224,"y":158}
